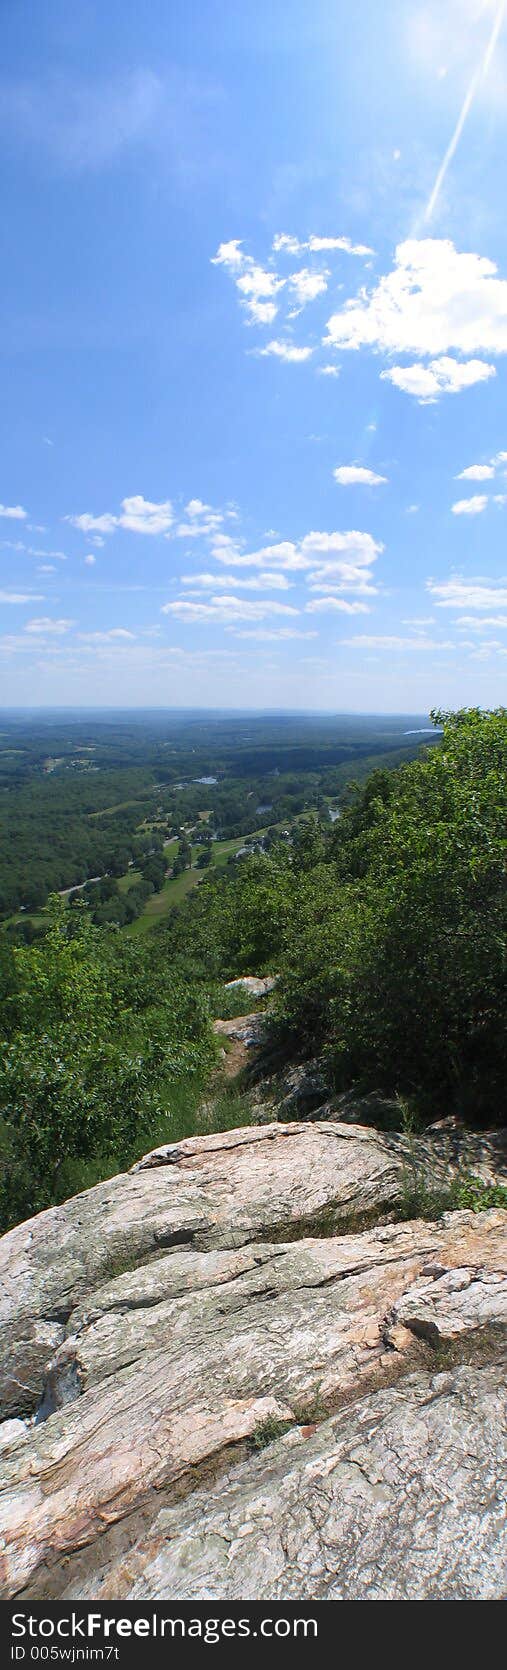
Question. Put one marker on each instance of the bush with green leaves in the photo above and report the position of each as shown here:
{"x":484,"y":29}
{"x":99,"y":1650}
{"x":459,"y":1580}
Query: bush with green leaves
{"x":394,"y":961}
{"x":97,"y":1033}
{"x":389,"y":932}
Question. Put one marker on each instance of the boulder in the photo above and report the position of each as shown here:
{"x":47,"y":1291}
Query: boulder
{"x":226,"y":1288}
{"x":246,"y":1029}
{"x":257,"y":985}
{"x":397,"y":1498}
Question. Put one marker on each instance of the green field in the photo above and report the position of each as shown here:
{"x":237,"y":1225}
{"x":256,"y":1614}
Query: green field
{"x":175,"y":888}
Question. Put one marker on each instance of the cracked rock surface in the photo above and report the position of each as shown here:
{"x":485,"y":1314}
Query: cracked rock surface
{"x":215,"y":1295}
{"x":401,"y":1497}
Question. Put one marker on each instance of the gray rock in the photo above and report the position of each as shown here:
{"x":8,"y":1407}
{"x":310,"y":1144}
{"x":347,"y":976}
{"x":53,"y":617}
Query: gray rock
{"x":257,"y":985}
{"x":172,"y":1364}
{"x":401,"y":1497}
{"x":225,"y":1190}
{"x":159,"y":1320}
{"x":300,"y":1090}
{"x":247,"y":1029}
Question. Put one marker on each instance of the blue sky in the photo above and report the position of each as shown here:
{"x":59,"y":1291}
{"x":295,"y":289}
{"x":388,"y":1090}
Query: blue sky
{"x":254,"y":328}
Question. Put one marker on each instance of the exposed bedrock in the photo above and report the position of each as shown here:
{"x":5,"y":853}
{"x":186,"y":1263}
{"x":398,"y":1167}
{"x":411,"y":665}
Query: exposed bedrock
{"x":164,"y":1320}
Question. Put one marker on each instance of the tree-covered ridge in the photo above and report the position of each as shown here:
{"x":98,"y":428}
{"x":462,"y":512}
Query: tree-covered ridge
{"x":389,"y":930}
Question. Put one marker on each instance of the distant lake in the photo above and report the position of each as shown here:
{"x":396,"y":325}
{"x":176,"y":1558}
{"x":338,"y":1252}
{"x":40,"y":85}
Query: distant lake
{"x":206,"y":780}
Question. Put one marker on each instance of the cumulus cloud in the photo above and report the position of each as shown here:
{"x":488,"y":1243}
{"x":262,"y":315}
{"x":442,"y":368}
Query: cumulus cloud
{"x":258,"y":286}
{"x":392,"y":642}
{"x":209,"y":582}
{"x":442,"y":376}
{"x":201,"y":520}
{"x":477,"y":623}
{"x":90,"y":560}
{"x":321,"y":605}
{"x":114,"y":635}
{"x":285,"y":244}
{"x":262,"y":288}
{"x":21,"y":597}
{"x":279,"y":635}
{"x":141,"y":515}
{"x":475,"y":594}
{"x":87,"y":523}
{"x":225,"y":610}
{"x":306,"y":285}
{"x":477,"y":472}
{"x":285,"y":351}
{"x":473,"y":506}
{"x":45,"y":626}
{"x":436,"y":301}
{"x":352,"y":475}
{"x":13,"y":512}
{"x":137,"y":515}
{"x":336,"y":559}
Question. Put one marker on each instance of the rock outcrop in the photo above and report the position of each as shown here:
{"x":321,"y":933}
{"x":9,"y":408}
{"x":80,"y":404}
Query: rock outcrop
{"x":158,"y":1328}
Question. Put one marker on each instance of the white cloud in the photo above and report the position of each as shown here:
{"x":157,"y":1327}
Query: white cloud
{"x":285,"y":244}
{"x":285,"y":351}
{"x":21,"y":597}
{"x":258,"y":290}
{"x":46,"y":568}
{"x":283,"y":555}
{"x":90,"y":560}
{"x":434,"y":299}
{"x":137,"y":515}
{"x":202,"y":520}
{"x":365,"y":641}
{"x":88,"y":523}
{"x":341,"y":576}
{"x":307,"y":285}
{"x":229,"y":254}
{"x":328,"y":370}
{"x":361,"y":546}
{"x":318,"y":244}
{"x":351,"y":552}
{"x":225,"y":610}
{"x":209,"y":582}
{"x":475,"y":594}
{"x":441,"y":376}
{"x":279,"y":635}
{"x":45,"y":626}
{"x":13,"y":512}
{"x":321,"y":605}
{"x":33,"y":551}
{"x":470,"y":507}
{"x":351,"y":475}
{"x":477,"y":472}
{"x":116,"y":634}
{"x":477,"y":623}
{"x":141,"y":515}
{"x":258,"y":286}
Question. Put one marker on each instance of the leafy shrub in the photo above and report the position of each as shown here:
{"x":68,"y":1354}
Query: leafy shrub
{"x":97,"y":1036}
